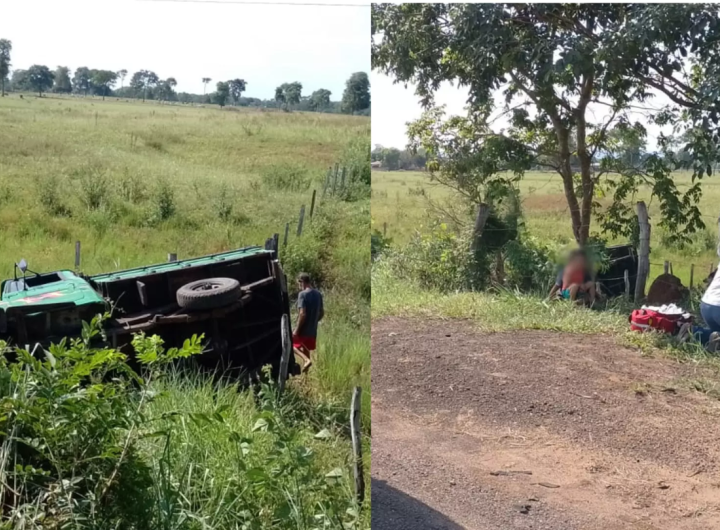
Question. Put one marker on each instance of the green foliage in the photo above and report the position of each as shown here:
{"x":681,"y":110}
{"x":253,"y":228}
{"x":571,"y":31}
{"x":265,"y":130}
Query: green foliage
{"x":40,"y":78}
{"x":5,"y":51}
{"x":62,"y":85}
{"x":357,"y":93}
{"x":320,"y":99}
{"x":72,"y":422}
{"x":288,"y":94}
{"x":237,"y":87}
{"x":438,"y":260}
{"x":222,"y":93}
{"x":164,"y":200}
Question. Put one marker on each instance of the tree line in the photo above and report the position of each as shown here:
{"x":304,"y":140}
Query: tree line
{"x":147,"y":85}
{"x":392,"y":159}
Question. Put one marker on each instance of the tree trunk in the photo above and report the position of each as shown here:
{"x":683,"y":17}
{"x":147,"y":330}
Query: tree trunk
{"x":568,"y":185}
{"x":588,"y":186}
{"x":2,"y":87}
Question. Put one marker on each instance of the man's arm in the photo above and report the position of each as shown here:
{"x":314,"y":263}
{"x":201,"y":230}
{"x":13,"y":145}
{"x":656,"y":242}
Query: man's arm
{"x":301,"y":313}
{"x":322,"y":309}
{"x":300,"y":320}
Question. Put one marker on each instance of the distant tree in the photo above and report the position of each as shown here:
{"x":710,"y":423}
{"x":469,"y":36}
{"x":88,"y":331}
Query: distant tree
{"x":5,"y":49}
{"x":81,"y":80}
{"x":320,"y":99}
{"x":40,"y":78}
{"x":166,"y":89}
{"x":142,"y":81}
{"x":280,"y":96}
{"x":205,"y":81}
{"x":391,"y":158}
{"x":19,"y":80}
{"x":237,"y":87}
{"x":62,"y":80}
{"x":288,"y":94}
{"x":122,"y":74}
{"x":357,"y":93}
{"x":102,"y":81}
{"x":222,"y":92}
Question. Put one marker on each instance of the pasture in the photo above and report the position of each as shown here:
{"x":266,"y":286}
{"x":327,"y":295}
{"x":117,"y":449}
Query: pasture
{"x":400,"y":199}
{"x":135,"y":181}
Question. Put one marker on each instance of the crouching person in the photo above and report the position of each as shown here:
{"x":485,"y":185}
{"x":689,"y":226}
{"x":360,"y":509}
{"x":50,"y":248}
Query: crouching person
{"x":575,"y":281}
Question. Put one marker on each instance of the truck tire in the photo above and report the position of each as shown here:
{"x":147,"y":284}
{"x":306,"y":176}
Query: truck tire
{"x":210,"y":293}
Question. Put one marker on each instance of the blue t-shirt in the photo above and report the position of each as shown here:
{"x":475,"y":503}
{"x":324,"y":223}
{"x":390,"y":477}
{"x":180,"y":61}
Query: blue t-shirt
{"x":311,"y":300}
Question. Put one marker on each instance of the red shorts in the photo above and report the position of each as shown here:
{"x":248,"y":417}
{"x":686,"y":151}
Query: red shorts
{"x":308,"y":342}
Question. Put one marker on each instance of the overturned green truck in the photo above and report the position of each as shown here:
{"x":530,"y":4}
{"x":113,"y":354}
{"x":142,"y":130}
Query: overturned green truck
{"x":237,"y":299}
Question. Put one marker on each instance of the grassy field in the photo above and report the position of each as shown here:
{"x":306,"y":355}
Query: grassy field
{"x":400,"y":200}
{"x":135,"y":181}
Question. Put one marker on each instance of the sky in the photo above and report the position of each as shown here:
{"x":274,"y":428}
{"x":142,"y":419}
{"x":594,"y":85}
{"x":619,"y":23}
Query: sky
{"x":267,"y":45}
{"x":394,"y":105}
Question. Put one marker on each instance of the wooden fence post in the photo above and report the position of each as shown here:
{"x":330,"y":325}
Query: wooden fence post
{"x":337,"y":168}
{"x":287,"y":230}
{"x":172,"y":257}
{"x":643,"y":252}
{"x":77,"y":255}
{"x":300,"y":222}
{"x":666,"y":267}
{"x":276,"y":244}
{"x":342,"y":180}
{"x":357,"y":444}
{"x":692,"y":274}
{"x":384,"y":229}
{"x":327,"y":181}
{"x":482,"y":216}
{"x":312,"y":204}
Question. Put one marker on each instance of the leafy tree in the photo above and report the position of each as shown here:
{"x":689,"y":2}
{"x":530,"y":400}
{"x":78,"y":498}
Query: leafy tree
{"x":40,"y":78}
{"x":205,"y":81}
{"x":62,"y":80}
{"x":102,"y":81}
{"x":81,"y":80}
{"x":122,"y":74}
{"x":357,"y":93}
{"x":222,"y":93}
{"x":166,"y":89}
{"x":5,"y":49}
{"x":555,"y":64}
{"x":19,"y":80}
{"x":288,"y":94}
{"x":143,"y":81}
{"x":391,"y":158}
{"x":320,"y":99}
{"x":237,"y":87}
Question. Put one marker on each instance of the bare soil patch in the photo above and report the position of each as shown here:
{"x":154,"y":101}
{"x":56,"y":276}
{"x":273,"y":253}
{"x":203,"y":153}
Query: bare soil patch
{"x":612,"y":439}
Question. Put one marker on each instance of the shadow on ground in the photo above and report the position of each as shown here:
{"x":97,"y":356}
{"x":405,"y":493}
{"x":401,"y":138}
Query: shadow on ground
{"x":394,"y":510}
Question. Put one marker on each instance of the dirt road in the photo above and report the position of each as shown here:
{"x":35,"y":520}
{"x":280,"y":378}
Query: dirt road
{"x":537,"y":430}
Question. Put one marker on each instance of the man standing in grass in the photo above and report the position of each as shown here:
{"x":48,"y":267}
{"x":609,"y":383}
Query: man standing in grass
{"x":310,"y":312}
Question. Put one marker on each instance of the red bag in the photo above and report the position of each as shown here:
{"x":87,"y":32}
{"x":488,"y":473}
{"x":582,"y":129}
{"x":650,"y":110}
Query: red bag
{"x":648,"y":319}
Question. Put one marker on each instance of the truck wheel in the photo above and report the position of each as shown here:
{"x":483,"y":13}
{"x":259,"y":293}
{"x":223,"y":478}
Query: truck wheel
{"x":211,"y":293}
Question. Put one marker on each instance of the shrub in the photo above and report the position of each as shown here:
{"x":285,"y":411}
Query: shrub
{"x":71,"y":433}
{"x":164,"y":200}
{"x":48,"y":191}
{"x":94,"y":187}
{"x":438,"y":260}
